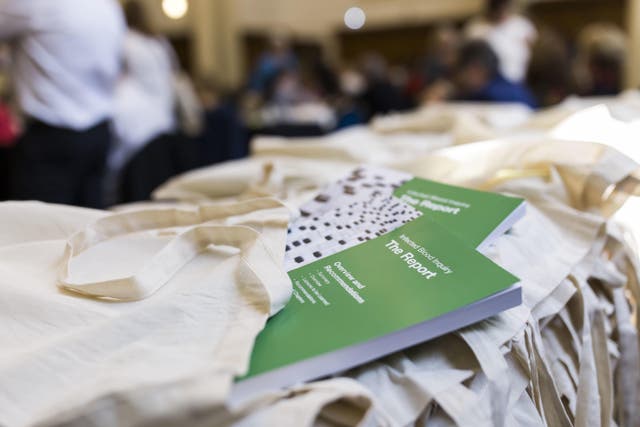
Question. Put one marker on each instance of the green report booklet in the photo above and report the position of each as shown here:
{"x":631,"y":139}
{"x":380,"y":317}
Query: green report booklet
{"x":476,"y":217}
{"x":372,"y":201}
{"x":378,"y":272}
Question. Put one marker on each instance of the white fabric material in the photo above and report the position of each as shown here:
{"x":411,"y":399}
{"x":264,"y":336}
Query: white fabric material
{"x":511,"y":39}
{"x":103,"y":362}
{"x":596,"y":124}
{"x":66,"y":58}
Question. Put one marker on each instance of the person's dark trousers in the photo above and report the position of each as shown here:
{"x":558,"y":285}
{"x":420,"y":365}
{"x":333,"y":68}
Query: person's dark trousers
{"x":6,"y":160}
{"x":59,"y":165}
{"x":162,"y":158}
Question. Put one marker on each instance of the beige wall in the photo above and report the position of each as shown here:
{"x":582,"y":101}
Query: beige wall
{"x":325,"y":16}
{"x":633,"y":61}
{"x":210,"y":25}
{"x":323,"y":19}
{"x":217,"y":25}
{"x":309,"y":17}
{"x":166,"y":25}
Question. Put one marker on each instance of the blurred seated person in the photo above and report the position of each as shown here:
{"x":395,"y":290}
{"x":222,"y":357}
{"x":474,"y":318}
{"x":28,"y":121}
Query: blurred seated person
{"x":509,"y":34}
{"x":325,"y":79}
{"x":441,"y":62}
{"x":65,"y":65}
{"x":348,"y":108}
{"x":431,"y":77}
{"x":601,"y":60}
{"x":288,"y":88}
{"x":292,"y":108}
{"x":381,"y":96}
{"x":479,"y":79}
{"x":339,"y":90}
{"x":224,"y":136}
{"x":549,"y":74}
{"x":277,"y":59}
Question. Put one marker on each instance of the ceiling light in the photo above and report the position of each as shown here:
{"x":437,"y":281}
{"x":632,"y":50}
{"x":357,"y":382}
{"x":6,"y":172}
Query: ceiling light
{"x":354,"y":18}
{"x":175,"y":9}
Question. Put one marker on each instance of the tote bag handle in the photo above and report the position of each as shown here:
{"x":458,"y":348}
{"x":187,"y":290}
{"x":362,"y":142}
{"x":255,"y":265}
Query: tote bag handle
{"x":183,"y":248}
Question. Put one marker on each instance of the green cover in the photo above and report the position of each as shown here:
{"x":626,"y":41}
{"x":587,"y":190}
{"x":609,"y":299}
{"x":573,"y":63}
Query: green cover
{"x":470,"y":214}
{"x":414,"y":273}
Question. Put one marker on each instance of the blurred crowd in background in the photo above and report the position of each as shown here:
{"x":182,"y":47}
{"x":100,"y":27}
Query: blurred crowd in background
{"x":162,"y":121}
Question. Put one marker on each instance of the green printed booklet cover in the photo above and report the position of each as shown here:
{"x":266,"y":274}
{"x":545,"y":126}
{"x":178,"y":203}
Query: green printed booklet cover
{"x":380,"y":262}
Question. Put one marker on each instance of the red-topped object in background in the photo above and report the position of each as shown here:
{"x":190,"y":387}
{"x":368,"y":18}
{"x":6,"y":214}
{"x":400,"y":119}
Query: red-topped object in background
{"x":9,"y":127}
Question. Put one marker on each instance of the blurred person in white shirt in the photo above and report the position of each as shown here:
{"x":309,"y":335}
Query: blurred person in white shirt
{"x":65,"y":64}
{"x":510,"y":35}
{"x":148,"y":103}
{"x":145,"y":95}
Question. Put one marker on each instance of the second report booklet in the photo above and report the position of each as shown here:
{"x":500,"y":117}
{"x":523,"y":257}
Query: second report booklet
{"x":393,"y":279}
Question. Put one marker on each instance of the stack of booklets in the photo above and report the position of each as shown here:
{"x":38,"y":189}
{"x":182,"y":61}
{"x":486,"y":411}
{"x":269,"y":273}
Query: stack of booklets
{"x":381,"y":261}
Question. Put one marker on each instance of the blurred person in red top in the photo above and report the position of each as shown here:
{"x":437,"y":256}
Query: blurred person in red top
{"x":9,"y":128}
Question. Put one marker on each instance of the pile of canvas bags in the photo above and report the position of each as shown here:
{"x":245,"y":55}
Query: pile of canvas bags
{"x":144,"y":316}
